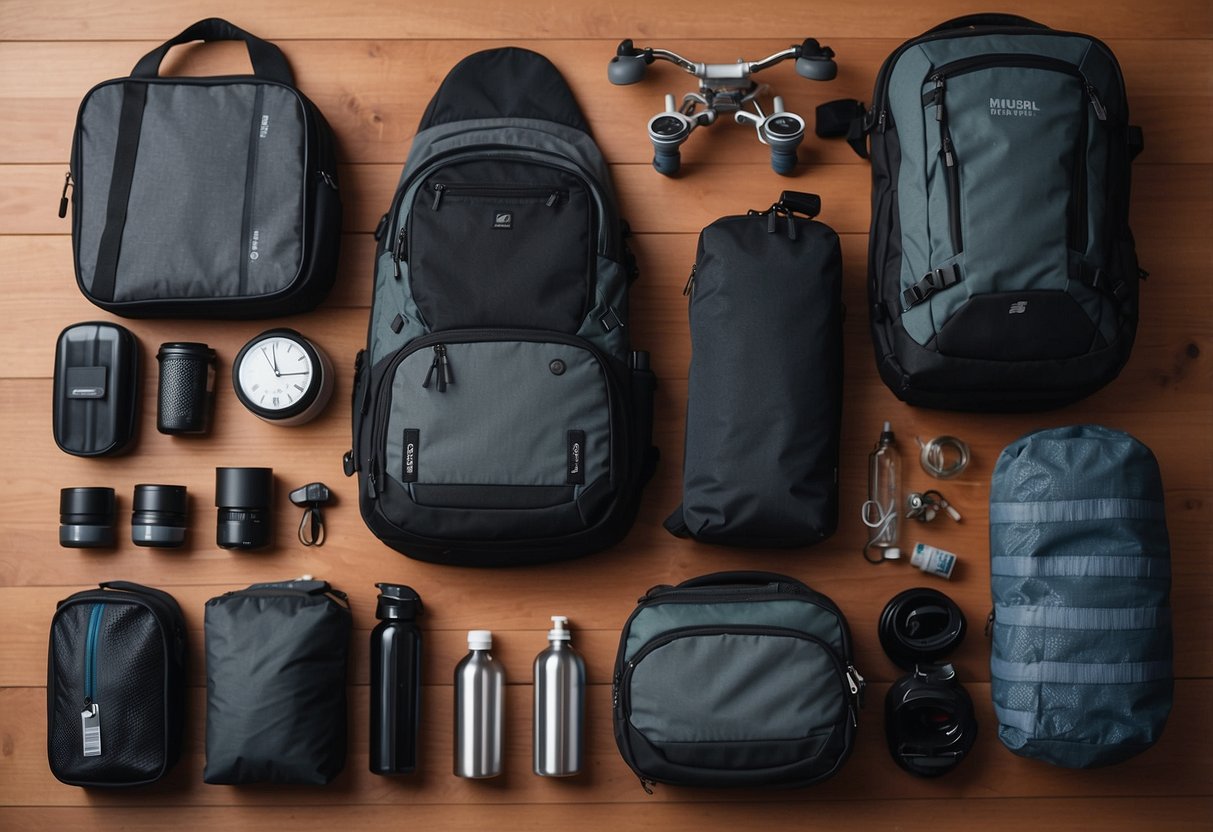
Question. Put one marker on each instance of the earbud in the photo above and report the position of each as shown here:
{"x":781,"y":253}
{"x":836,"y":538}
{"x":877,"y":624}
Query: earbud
{"x":816,"y":62}
{"x":628,"y":65}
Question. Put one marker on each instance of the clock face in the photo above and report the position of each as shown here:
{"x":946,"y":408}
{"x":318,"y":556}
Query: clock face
{"x":276,"y":374}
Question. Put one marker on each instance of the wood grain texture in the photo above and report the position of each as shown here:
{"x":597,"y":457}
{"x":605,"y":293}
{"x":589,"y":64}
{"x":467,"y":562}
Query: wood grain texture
{"x":372,"y":68}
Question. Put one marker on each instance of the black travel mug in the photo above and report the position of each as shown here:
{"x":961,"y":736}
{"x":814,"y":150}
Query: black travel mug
{"x":395,"y":681}
{"x":187,"y":388}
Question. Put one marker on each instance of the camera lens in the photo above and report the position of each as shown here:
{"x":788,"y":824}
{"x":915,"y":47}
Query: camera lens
{"x":667,"y":126}
{"x":86,"y":518}
{"x":783,"y":127}
{"x":243,"y":497}
{"x":158,"y":516}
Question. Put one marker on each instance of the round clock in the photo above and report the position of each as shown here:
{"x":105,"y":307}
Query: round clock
{"x":283,"y":377}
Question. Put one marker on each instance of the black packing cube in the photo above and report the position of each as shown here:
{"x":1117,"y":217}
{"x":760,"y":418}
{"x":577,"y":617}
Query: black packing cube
{"x":276,"y":656}
{"x":764,"y":399}
{"x":204,"y":197}
{"x":735,"y":679}
{"x":115,"y":686}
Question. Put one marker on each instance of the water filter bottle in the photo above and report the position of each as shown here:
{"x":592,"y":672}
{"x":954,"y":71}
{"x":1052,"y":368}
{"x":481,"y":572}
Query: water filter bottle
{"x":479,"y":695}
{"x":882,"y":510}
{"x":559,"y":704}
{"x":395,"y":681}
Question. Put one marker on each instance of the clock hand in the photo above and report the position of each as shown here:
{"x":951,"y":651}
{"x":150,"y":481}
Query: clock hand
{"x":284,"y":375}
{"x":273,"y":366}
{"x":274,"y":348}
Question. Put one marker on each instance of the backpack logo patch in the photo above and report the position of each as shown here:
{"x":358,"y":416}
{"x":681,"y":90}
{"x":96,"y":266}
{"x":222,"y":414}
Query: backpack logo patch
{"x":503,"y":219}
{"x":1018,"y":307}
{"x":1017,"y":107}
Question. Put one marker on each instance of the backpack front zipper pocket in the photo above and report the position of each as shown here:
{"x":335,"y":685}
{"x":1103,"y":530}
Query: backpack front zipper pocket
{"x":509,"y":431}
{"x":500,"y":244}
{"x":1006,"y":101}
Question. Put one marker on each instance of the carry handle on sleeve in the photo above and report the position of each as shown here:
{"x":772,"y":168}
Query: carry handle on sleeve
{"x":729,"y":578}
{"x":986,"y":20}
{"x":141,"y":589}
{"x":267,"y":59}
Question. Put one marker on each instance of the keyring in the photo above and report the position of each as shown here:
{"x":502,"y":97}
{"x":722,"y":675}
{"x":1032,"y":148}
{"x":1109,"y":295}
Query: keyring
{"x":933,"y":455}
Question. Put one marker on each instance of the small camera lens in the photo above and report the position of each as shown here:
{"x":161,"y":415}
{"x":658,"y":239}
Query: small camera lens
{"x":783,"y":127}
{"x":158,"y":515}
{"x":244,"y":497}
{"x":86,"y":518}
{"x":667,"y":126}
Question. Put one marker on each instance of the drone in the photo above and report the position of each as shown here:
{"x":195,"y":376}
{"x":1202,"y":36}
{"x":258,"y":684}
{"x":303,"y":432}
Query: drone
{"x":724,"y":88}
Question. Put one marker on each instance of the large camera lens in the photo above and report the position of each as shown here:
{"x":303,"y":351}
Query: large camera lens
{"x":158,"y":516}
{"x":667,"y":126}
{"x":244,"y":497}
{"x":86,"y":518}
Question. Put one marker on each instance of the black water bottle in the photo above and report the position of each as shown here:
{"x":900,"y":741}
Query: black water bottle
{"x":395,"y":681}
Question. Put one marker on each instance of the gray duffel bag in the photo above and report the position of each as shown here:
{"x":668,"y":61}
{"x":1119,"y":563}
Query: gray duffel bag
{"x":1081,"y":668}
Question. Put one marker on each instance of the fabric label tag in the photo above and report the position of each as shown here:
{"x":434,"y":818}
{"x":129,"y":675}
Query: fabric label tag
{"x":503,"y":219}
{"x":90,"y":724}
{"x":412,"y":438}
{"x":576,"y":458}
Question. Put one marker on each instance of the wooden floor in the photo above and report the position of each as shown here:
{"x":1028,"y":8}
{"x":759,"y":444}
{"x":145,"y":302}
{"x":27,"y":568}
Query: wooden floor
{"x":371,"y":70}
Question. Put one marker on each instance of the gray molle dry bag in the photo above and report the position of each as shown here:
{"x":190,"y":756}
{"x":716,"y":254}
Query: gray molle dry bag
{"x":1080,"y":667}
{"x":501,"y":416}
{"x":1002,"y":271}
{"x":204,"y":196}
{"x":735,"y":679}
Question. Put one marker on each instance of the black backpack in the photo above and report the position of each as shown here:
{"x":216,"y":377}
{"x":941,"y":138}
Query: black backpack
{"x":1002,"y":272}
{"x":500,"y":414}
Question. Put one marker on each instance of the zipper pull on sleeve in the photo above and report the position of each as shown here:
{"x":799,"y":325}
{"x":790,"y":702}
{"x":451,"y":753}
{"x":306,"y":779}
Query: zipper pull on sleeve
{"x":67,"y":183}
{"x":948,"y":158}
{"x":553,"y":199}
{"x":690,"y":287}
{"x":439,"y":188}
{"x":939,"y":99}
{"x":1101,"y":112}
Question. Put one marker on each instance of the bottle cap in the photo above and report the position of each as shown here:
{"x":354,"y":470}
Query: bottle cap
{"x":892,"y":553}
{"x":886,"y":433}
{"x":397,"y":601}
{"x":559,"y":631}
{"x":480,"y":639}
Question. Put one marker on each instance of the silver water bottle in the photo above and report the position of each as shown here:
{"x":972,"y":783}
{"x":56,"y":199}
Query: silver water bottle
{"x":479,"y":696}
{"x":559,"y":704}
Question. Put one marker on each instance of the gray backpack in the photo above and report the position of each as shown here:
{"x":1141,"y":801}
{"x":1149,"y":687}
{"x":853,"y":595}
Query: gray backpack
{"x":1002,"y":271}
{"x":501,"y":416}
{"x":1081,"y":668}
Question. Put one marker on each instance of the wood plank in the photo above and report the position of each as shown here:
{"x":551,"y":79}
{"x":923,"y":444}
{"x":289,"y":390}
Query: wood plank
{"x":41,"y":292}
{"x":374,"y":92}
{"x":1174,"y":767}
{"x":469,"y":19}
{"x":996,"y":815}
{"x":1166,"y":198}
